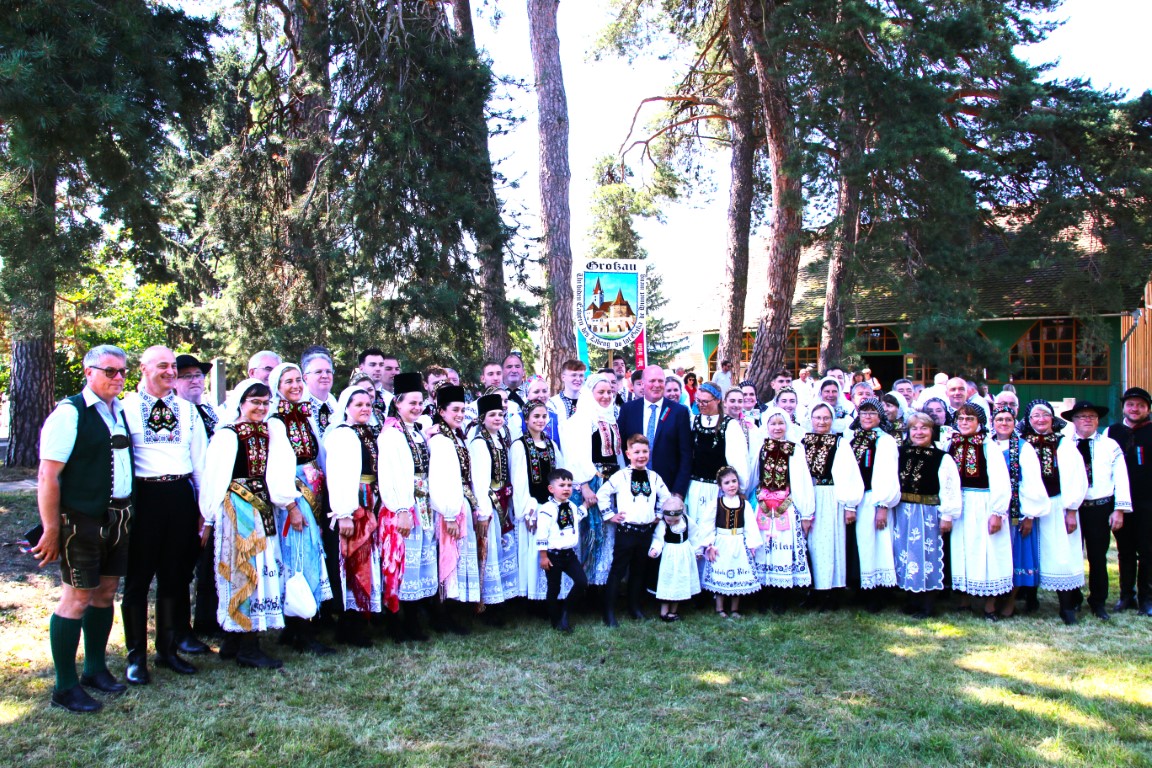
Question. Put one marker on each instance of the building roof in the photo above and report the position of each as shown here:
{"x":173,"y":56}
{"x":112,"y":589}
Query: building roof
{"x":1026,"y":290}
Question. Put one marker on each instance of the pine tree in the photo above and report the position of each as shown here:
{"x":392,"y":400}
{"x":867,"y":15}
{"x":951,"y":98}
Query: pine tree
{"x":89,"y":92}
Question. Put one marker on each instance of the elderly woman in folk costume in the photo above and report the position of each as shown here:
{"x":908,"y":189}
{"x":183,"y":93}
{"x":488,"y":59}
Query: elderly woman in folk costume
{"x":235,"y":506}
{"x":1029,"y":501}
{"x":717,"y":441}
{"x":837,"y":489}
{"x":296,"y":485}
{"x":593,"y":453}
{"x":981,"y":544}
{"x":829,"y":391}
{"x":786,"y":504}
{"x":930,"y":499}
{"x":452,"y":498}
{"x":354,"y":498}
{"x":877,"y":456}
{"x":530,"y":460}
{"x":495,"y":524}
{"x":1066,"y":483}
{"x":403,"y":453}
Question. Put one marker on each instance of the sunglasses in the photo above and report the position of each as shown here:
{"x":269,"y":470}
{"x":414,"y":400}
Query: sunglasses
{"x":111,"y":372}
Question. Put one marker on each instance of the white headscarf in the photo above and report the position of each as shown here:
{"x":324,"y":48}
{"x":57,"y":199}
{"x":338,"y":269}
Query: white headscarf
{"x":905,"y":409}
{"x":231,"y":412}
{"x":340,"y":415}
{"x":775,"y":410}
{"x":587,"y":408}
{"x":844,"y":403}
{"x":274,"y":383}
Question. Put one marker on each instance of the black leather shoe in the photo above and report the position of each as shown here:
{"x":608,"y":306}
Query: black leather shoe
{"x":255,"y":658}
{"x":1123,"y":604}
{"x":193,"y":646}
{"x":75,"y":699}
{"x":1100,"y":613}
{"x":1146,"y":609}
{"x":136,"y":673}
{"x":1068,"y":616}
{"x":176,"y":664}
{"x":103,"y":681}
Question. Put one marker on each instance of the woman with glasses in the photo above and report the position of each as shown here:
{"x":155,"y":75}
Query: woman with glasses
{"x":1066,"y":482}
{"x":236,"y":506}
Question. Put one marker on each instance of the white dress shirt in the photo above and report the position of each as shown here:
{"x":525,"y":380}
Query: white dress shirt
{"x":1109,"y":471}
{"x":549,"y":534}
{"x":638,"y":509}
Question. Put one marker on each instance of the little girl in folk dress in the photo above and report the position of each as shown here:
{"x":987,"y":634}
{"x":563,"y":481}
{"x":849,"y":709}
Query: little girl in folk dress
{"x":678,"y":578}
{"x":728,"y":538}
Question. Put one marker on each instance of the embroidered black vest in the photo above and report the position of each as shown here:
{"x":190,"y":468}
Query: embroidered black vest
{"x":820,"y":452}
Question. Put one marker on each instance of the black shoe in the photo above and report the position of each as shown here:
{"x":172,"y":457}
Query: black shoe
{"x":561,"y":625}
{"x":175,"y":663}
{"x":354,"y":639}
{"x":1099,"y":612}
{"x":230,"y":646}
{"x":255,"y":658}
{"x":103,"y":681}
{"x":991,"y":616}
{"x":1123,"y":604}
{"x":136,"y":673}
{"x":1146,"y":609}
{"x":1068,"y":616}
{"x":315,"y":647}
{"x":636,"y":614}
{"x":610,"y":619}
{"x":193,"y":646}
{"x":75,"y":699}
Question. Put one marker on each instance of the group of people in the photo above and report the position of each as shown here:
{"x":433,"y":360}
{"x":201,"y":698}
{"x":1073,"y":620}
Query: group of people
{"x":403,"y":495}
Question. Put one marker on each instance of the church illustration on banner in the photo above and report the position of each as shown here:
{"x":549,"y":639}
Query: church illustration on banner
{"x":609,"y":318}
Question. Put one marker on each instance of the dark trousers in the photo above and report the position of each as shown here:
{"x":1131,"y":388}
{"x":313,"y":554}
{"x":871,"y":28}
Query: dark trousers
{"x":851,"y":558}
{"x":1097,"y":535}
{"x":564,"y":561}
{"x":1134,"y":551}
{"x":163,"y":545}
{"x":630,"y":555}
{"x":207,"y":600}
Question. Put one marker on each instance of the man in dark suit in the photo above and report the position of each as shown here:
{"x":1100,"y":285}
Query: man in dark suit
{"x":667,"y":425}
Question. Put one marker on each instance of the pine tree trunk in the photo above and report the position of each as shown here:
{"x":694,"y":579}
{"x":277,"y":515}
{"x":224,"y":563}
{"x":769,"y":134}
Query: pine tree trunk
{"x":787,"y":198}
{"x":740,"y":194}
{"x":33,"y":380}
{"x":491,"y":234}
{"x":313,"y":104}
{"x":840,"y":266}
{"x":557,"y":339}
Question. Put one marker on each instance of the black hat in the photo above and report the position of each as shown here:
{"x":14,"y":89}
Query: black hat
{"x":488,"y":403}
{"x":448,"y":394}
{"x":1084,"y":405}
{"x":1138,"y":394}
{"x":407,"y":382}
{"x":189,"y":361}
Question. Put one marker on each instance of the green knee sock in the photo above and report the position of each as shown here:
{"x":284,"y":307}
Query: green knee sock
{"x":97,"y":627}
{"x":64,"y":638}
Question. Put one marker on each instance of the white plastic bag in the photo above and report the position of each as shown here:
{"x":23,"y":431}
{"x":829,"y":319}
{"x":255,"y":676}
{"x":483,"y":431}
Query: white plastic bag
{"x":299,"y":602}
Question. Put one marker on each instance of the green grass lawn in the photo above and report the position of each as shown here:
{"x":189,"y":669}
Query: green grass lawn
{"x":846,"y":688}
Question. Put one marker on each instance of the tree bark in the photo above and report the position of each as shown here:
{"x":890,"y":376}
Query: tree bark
{"x":557,"y":339}
{"x":840,"y":266}
{"x":740,"y":194}
{"x":787,"y":197}
{"x":490,"y":233}
{"x":33,"y":380}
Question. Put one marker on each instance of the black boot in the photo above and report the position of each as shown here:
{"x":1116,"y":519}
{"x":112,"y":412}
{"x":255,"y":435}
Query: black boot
{"x":1067,"y":607}
{"x":231,"y":644}
{"x":136,"y":643}
{"x":166,"y":637}
{"x":411,"y":618}
{"x":610,"y":605}
{"x":307,"y":642}
{"x":251,"y":655}
{"x":353,"y":630}
{"x":561,"y":624}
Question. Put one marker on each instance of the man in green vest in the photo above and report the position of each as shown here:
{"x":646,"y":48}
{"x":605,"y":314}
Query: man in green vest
{"x":84,"y":494}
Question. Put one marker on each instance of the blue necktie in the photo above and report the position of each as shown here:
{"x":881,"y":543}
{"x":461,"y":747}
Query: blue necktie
{"x":650,"y":433}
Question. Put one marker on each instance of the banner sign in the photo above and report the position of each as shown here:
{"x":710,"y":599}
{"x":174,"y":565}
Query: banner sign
{"x":641,"y":352}
{"x":613,"y":302}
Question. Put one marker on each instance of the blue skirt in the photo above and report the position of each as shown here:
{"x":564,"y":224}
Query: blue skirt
{"x":1025,"y":556}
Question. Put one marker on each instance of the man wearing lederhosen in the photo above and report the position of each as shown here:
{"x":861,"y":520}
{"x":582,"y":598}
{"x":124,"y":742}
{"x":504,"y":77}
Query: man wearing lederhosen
{"x":169,"y":444}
